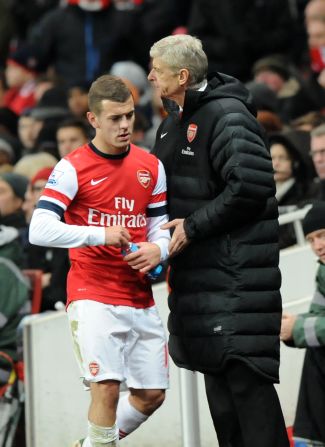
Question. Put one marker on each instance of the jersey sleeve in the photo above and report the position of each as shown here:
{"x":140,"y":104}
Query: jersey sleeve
{"x":61,"y":188}
{"x":46,"y":228}
{"x":157,"y":214}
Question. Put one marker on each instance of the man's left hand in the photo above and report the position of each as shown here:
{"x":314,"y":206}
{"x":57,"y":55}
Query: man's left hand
{"x":179,"y":239}
{"x":145,"y":258}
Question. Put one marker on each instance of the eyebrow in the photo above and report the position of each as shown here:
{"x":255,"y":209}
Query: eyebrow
{"x":121,"y":114}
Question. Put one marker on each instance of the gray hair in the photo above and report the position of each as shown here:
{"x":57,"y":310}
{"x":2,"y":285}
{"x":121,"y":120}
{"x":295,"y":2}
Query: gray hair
{"x":183,"y":51}
{"x":318,"y":131}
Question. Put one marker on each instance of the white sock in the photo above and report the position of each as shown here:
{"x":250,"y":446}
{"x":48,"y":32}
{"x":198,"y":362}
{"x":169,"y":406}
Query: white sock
{"x":101,"y":436}
{"x":128,"y":418}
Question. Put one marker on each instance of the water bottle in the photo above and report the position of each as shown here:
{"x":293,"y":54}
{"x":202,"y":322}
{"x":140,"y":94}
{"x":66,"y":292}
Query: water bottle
{"x":153,"y":273}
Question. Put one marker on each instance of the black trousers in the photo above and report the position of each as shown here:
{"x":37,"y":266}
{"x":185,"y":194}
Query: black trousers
{"x":310,"y":414}
{"x":245,"y":408}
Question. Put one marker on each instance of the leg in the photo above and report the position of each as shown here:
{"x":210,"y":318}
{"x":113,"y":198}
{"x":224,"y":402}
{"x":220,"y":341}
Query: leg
{"x":223,"y":411}
{"x":104,"y":398}
{"x":257,"y":406}
{"x":135,"y":407}
{"x":102,"y":429}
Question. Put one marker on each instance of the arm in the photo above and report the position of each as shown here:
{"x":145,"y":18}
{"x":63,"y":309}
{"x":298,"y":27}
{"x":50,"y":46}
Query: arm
{"x":306,"y":330}
{"x":156,"y":249}
{"x":239,"y":156}
{"x":46,"y":228}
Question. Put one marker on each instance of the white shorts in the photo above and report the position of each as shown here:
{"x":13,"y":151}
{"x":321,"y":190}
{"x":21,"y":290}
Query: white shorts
{"x":119,"y":343}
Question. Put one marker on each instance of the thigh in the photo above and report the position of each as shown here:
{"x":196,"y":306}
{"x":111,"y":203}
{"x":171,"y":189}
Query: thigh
{"x":146,"y":353}
{"x":99,"y":333}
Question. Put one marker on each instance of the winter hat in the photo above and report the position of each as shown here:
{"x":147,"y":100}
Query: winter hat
{"x":264,"y":97}
{"x":42,"y":174}
{"x":275,"y":63}
{"x":17,"y":182}
{"x":315,"y":218}
{"x":129,"y":70}
{"x":28,"y":57}
{"x":7,"y":148}
{"x":53,"y":104}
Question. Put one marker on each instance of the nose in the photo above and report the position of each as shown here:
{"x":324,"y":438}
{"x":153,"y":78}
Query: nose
{"x":124,"y":122}
{"x":151,"y":76}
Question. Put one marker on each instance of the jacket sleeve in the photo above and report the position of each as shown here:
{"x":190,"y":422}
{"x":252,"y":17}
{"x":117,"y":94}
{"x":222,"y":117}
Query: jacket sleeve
{"x":309,"y":328}
{"x":240,"y":158}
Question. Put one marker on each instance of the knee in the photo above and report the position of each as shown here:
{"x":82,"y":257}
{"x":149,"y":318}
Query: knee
{"x":107,"y":393}
{"x":150,"y":401}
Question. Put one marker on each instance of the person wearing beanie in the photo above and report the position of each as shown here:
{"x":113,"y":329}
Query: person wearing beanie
{"x":54,"y":262}
{"x":12,"y":193}
{"x":293,"y":94}
{"x":23,"y":67}
{"x":307,"y":330}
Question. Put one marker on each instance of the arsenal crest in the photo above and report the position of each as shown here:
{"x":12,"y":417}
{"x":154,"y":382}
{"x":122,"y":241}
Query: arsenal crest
{"x":191,"y":132}
{"x":93,"y":368}
{"x":144,"y":178}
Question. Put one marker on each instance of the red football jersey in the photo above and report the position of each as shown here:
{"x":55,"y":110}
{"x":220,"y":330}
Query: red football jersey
{"x":95,"y":189}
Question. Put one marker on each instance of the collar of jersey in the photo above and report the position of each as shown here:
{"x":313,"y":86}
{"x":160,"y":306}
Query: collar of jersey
{"x":110,"y":156}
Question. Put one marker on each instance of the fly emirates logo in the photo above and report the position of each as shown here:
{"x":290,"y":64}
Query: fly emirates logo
{"x":122,"y":205}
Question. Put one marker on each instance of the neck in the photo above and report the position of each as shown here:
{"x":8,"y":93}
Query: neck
{"x":107,"y":149}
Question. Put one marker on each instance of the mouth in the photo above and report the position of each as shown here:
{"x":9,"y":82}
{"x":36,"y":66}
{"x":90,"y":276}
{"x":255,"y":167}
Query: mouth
{"x":124,"y":136}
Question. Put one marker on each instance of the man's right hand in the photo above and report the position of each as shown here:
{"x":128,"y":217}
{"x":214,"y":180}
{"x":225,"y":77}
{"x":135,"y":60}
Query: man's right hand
{"x":117,"y":236}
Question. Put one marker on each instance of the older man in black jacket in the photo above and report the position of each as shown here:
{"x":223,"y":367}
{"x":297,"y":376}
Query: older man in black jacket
{"x":225,"y":302}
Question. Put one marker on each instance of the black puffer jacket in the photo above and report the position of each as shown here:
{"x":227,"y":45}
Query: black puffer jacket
{"x":225,"y":301}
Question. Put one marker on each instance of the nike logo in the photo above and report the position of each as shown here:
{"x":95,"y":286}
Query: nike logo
{"x":163,"y":135}
{"x":95,"y":182}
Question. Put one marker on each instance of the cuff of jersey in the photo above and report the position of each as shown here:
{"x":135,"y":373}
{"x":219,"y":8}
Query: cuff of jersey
{"x":163,"y":245}
{"x":96,"y":236}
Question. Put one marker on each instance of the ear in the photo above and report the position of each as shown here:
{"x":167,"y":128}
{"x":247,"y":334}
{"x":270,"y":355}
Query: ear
{"x":183,"y":76}
{"x":93,"y":120}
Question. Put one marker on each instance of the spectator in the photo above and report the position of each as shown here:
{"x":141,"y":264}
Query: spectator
{"x":54,"y":262}
{"x":14,"y":295}
{"x":225,"y":302}
{"x":78,"y":99}
{"x":7,"y":155}
{"x":314,"y":10}
{"x":308,"y":122}
{"x":307,"y":330}
{"x":12,"y":192}
{"x":30,"y":164}
{"x":294,"y":96}
{"x":26,"y":132}
{"x":99,"y":33}
{"x":317,"y":146}
{"x":236,"y":34}
{"x":71,"y":134}
{"x":23,"y":67}
{"x":292,"y":179}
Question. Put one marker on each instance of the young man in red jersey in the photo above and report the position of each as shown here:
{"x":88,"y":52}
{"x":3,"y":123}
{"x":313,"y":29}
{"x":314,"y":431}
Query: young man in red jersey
{"x":111,"y":193}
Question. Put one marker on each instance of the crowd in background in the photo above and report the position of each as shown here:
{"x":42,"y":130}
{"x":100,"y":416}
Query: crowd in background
{"x":52,"y":50}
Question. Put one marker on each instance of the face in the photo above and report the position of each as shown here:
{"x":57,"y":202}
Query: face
{"x":318,"y":155}
{"x":274,"y":81}
{"x":32,"y":196}
{"x":78,"y":101}
{"x":281,"y":162}
{"x":26,"y":131}
{"x":16,"y":76}
{"x":167,"y":82}
{"x":69,"y":138}
{"x":9,"y":202}
{"x":316,"y":33}
{"x":317,"y":242}
{"x":114,"y":125}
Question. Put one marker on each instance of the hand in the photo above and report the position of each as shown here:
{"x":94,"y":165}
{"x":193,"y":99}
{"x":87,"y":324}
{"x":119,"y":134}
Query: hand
{"x":46,"y":279}
{"x":287,"y":324}
{"x":117,"y":236}
{"x":321,"y":78}
{"x":144,"y":259}
{"x":179,"y":239}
